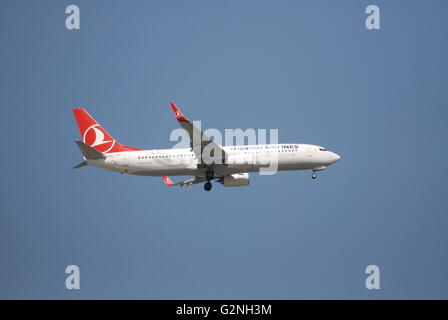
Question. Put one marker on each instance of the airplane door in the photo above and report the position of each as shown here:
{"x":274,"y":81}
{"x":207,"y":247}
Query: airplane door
{"x":309,"y":152}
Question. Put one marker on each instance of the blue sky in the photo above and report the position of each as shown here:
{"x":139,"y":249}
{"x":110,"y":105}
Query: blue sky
{"x":307,"y":68}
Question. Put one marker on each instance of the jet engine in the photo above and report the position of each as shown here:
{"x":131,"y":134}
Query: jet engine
{"x":235,"y":180}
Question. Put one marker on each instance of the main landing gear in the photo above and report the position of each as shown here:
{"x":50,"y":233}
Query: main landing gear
{"x":209,"y":175}
{"x":314,"y":175}
{"x":208,"y":186}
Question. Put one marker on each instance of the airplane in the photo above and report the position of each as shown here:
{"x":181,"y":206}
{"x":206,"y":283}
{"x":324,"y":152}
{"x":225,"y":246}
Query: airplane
{"x":228,"y":165}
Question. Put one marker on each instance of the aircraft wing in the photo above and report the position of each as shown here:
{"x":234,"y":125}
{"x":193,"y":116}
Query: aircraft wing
{"x":184,"y":183}
{"x":201,"y":145}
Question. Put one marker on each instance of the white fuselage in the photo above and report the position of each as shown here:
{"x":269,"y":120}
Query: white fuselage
{"x":183,"y":162}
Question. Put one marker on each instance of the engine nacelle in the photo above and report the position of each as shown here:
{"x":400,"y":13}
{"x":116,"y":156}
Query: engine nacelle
{"x":235,"y":180}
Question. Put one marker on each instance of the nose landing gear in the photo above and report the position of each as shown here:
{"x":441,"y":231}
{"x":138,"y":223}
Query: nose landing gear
{"x":315,"y":169}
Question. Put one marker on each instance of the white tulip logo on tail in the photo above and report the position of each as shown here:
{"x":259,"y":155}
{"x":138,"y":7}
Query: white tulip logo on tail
{"x":99,"y":138}
{"x":96,"y":137}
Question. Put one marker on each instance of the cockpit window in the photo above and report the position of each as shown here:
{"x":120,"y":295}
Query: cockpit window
{"x":322,"y":149}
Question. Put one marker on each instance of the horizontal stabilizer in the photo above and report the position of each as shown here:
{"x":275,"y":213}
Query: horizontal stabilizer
{"x":80,"y":165}
{"x":89,"y":152}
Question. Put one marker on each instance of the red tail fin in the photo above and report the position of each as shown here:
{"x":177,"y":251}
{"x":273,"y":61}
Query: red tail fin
{"x":94,"y":135}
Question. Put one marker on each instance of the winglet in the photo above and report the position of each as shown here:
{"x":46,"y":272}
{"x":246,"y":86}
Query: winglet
{"x":167,"y":181}
{"x":179,"y":116}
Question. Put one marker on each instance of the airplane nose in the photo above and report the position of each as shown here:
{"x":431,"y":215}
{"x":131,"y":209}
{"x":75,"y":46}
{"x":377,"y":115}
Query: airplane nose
{"x":335,"y":157}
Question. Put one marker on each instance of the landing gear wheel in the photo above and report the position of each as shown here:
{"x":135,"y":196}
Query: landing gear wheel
{"x":313,"y":175}
{"x":208,"y":186}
